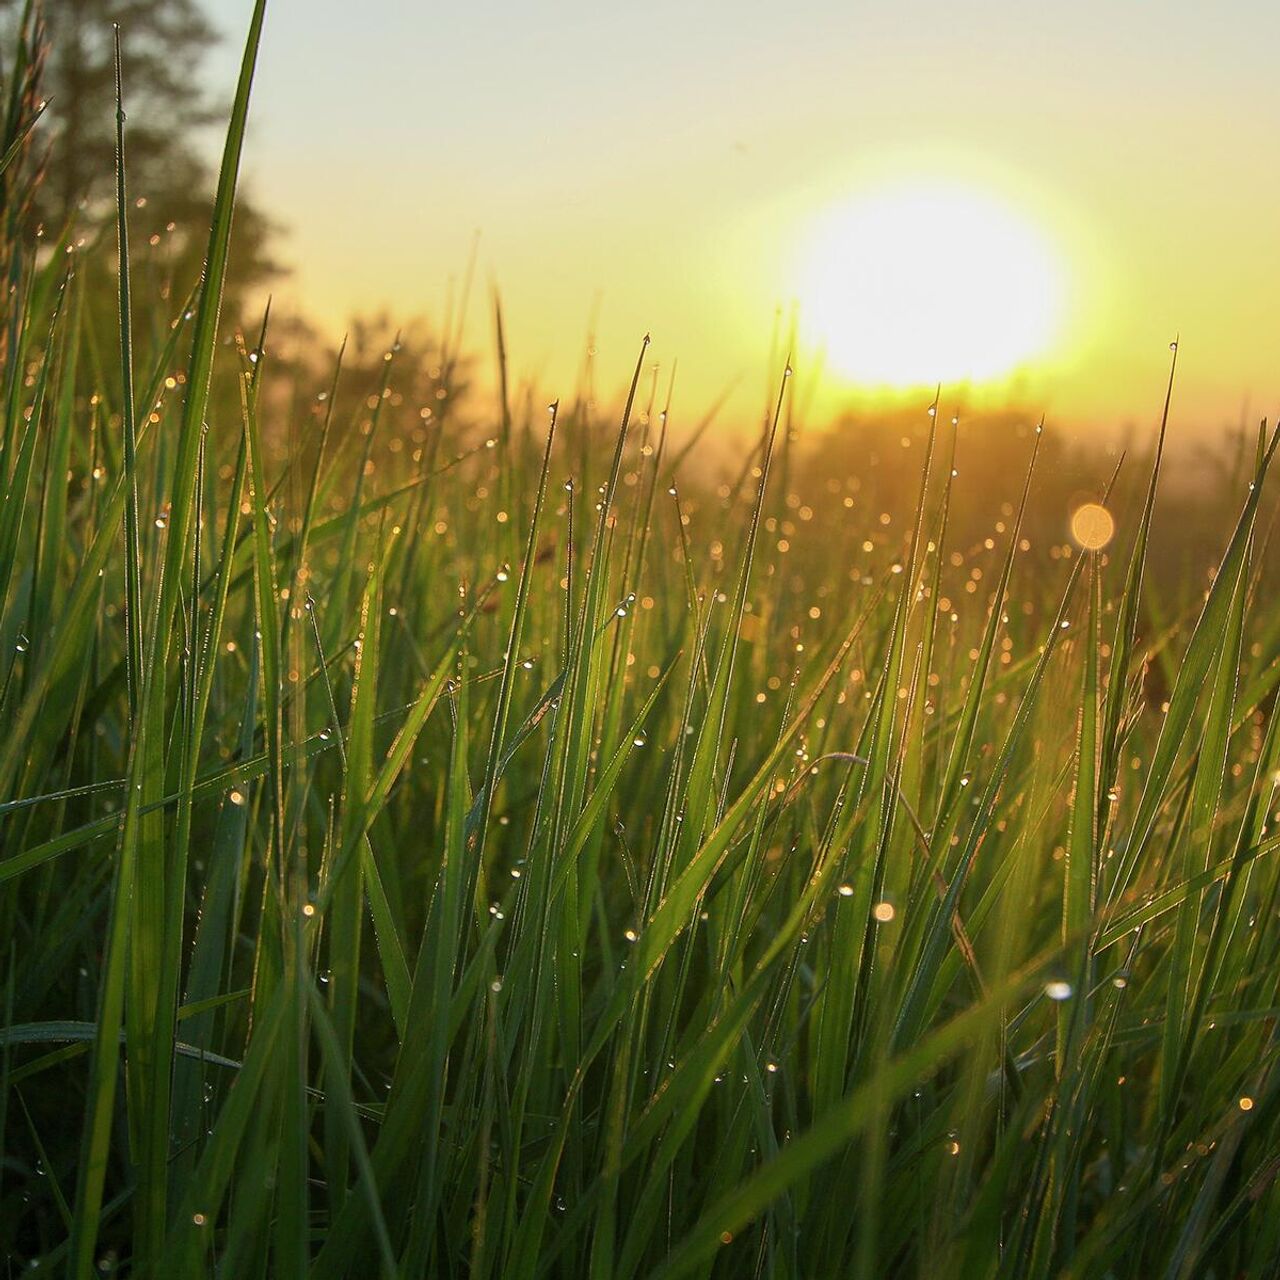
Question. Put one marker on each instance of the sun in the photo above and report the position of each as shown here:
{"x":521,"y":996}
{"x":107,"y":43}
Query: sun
{"x":923,"y":282}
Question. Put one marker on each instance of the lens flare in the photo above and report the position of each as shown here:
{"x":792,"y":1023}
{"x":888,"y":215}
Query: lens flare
{"x":1092,"y":526}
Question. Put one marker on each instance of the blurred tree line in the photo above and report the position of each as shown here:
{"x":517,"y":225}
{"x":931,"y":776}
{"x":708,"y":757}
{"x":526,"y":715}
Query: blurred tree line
{"x":62,"y":53}
{"x":170,"y":113}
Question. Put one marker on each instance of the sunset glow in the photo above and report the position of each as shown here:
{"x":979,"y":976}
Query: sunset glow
{"x":1087,"y":206}
{"x":925,"y":282}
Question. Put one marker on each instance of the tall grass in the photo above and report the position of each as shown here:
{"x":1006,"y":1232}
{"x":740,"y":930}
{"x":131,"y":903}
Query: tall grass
{"x":513,"y":855}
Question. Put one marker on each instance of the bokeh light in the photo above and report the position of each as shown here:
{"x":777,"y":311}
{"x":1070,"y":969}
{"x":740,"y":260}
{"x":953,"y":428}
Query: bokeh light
{"x":1092,"y":526}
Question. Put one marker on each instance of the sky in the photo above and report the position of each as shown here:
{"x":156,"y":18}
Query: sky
{"x":696,"y":169}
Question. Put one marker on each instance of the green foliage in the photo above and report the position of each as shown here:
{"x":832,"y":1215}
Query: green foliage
{"x":499,"y":855}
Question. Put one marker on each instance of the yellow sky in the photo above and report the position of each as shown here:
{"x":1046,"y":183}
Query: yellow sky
{"x":666,"y":167}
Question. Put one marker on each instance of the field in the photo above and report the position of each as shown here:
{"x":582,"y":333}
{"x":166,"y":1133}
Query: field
{"x":480,"y":839}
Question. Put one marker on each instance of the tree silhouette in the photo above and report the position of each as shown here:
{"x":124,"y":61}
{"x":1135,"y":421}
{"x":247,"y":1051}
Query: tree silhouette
{"x":164,"y":44}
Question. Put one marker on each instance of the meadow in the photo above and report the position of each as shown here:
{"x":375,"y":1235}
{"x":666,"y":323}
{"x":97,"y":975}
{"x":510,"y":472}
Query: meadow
{"x":447,"y":837}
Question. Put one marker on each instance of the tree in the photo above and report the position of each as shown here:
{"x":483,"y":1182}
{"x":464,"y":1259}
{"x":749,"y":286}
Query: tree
{"x":164,"y":43}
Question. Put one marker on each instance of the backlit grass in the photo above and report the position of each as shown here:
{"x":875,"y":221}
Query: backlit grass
{"x":516,"y":853}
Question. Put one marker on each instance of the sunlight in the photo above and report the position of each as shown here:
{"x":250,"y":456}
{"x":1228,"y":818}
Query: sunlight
{"x":922,"y":282}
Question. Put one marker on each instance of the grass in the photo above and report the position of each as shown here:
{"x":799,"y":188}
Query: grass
{"x":515,"y":854}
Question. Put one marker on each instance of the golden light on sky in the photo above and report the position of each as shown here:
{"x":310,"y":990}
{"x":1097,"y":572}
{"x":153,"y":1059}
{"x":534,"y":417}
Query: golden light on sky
{"x":925,"y":281}
{"x":1102,"y":174}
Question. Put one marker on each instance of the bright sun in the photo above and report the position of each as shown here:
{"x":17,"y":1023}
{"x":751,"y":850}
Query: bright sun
{"x":928,"y":282}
